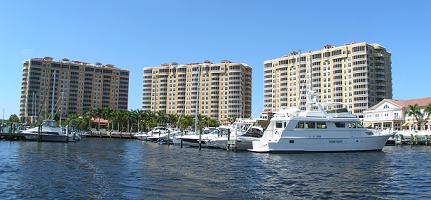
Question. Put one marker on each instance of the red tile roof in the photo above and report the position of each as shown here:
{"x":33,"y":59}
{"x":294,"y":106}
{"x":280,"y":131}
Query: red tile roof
{"x":422,"y":102}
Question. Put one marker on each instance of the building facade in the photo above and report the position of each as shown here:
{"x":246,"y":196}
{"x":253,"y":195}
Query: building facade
{"x":220,"y":91}
{"x":391,"y":114}
{"x":357,"y":75}
{"x":70,"y":87}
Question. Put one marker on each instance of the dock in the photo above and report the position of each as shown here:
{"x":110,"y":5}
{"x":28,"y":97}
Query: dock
{"x":12,"y":136}
{"x":118,"y":135}
{"x":413,"y":137}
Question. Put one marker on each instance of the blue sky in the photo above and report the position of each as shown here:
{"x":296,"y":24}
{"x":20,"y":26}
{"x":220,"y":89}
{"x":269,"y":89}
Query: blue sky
{"x":134,"y":34}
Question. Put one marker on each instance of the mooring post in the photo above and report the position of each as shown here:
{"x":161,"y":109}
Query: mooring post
{"x":67,"y":133}
{"x":169,"y":137}
{"x":181,"y":140}
{"x":228,"y":140}
{"x":200,"y":139}
{"x":39,"y":130}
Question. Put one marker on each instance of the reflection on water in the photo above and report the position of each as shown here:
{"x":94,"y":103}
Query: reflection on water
{"x":128,"y":169}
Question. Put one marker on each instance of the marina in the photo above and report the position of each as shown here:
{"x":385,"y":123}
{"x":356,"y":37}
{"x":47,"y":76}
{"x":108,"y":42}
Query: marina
{"x":215,"y":100}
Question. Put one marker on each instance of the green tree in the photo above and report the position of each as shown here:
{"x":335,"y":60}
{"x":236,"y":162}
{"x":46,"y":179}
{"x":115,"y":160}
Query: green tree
{"x":14,"y":119}
{"x":89,"y":115}
{"x":99,"y":115}
{"x":427,"y":111}
{"x":149,"y":119}
{"x":138,"y":116}
{"x":205,"y":121}
{"x":231,"y":120}
{"x":415,"y":111}
{"x":172,"y":119}
{"x":77,"y":122}
{"x":107,"y":115}
{"x":161,"y":118}
{"x":186,"y":121}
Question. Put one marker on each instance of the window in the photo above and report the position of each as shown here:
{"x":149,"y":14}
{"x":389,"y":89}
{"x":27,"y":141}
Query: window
{"x":355,"y":125}
{"x":278,"y":125}
{"x":386,"y":106}
{"x":291,"y":141}
{"x":310,"y":125}
{"x":352,"y":124}
{"x":300,"y":125}
{"x":307,"y":125}
{"x":340,"y":125}
{"x":321,"y":124}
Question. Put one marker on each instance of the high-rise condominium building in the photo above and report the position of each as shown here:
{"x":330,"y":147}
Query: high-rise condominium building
{"x":70,"y":87}
{"x":357,"y":75}
{"x":224,"y":89}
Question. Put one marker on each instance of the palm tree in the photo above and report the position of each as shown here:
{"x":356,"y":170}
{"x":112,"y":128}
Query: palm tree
{"x":427,"y":111}
{"x":186,"y":121}
{"x":150,"y":120}
{"x":172,"y":119}
{"x":138,"y":115}
{"x":107,"y":114}
{"x":129,"y":118}
{"x":161,"y":118}
{"x":415,"y":111}
{"x":99,"y":115}
{"x":89,"y":115}
{"x":121,"y":117}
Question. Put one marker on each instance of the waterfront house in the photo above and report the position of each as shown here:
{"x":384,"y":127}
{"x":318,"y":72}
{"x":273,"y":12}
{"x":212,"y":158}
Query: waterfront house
{"x":391,"y":114}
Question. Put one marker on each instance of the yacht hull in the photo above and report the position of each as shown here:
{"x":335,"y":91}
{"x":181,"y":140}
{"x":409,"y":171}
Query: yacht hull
{"x":141,"y":137}
{"x":47,"y":138}
{"x":194,"y":142}
{"x":241,"y":143}
{"x":297,"y":144}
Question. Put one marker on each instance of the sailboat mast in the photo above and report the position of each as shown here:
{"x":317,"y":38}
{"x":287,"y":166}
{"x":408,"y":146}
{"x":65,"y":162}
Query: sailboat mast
{"x":52,"y":98}
{"x":299,"y":100}
{"x":61,"y":106}
{"x":33,"y":108}
{"x":197,"y":99}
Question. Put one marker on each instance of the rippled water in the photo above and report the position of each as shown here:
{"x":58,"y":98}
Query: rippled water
{"x":130,"y":169}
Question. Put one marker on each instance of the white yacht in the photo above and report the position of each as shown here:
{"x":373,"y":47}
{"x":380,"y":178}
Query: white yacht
{"x":192,"y":138}
{"x":141,"y":136}
{"x":49,"y":132}
{"x":315,"y":130}
{"x":241,"y":135}
{"x":157,"y":133}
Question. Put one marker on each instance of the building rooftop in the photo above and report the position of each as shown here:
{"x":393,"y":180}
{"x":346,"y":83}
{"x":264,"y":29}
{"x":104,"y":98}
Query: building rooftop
{"x":77,"y":62}
{"x":327,"y":47}
{"x":206,"y":62}
{"x":422,"y":102}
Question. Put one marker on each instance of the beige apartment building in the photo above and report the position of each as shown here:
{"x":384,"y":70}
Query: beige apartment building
{"x":70,"y":87}
{"x":224,"y":89}
{"x":358,"y":75}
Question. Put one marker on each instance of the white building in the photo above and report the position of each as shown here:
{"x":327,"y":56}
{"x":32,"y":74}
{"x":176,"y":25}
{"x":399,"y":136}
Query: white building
{"x":390,"y":114}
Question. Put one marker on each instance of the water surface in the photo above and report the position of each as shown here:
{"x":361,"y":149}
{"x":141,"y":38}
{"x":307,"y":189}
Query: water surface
{"x":131,"y":169}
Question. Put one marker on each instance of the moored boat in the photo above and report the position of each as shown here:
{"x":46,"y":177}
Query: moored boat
{"x":315,"y":130}
{"x":49,"y":132}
